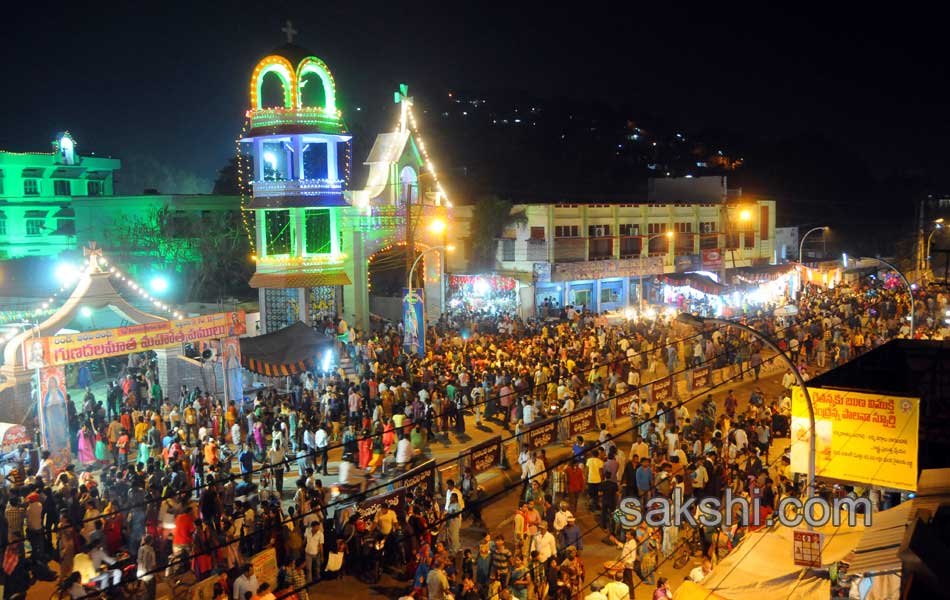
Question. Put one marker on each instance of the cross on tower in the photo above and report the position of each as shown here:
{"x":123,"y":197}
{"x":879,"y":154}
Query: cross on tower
{"x":93,"y":252}
{"x":404,"y":100}
{"x":289,"y":31}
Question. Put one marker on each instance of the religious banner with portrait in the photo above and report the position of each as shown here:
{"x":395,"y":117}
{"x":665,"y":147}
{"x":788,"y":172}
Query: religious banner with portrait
{"x":233,"y":374}
{"x":414,"y":321}
{"x":54,"y":415}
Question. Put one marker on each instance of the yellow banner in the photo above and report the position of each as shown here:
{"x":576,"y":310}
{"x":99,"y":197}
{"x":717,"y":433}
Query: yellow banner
{"x":90,"y":345}
{"x":869,"y":439}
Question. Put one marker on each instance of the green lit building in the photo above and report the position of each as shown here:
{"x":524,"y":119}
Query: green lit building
{"x":37,"y":189}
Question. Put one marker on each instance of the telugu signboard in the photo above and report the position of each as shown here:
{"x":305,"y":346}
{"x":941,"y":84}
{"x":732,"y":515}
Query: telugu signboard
{"x":396,"y":500}
{"x":485,"y":455}
{"x":661,"y":390}
{"x":806,"y":548}
{"x":103,"y":343}
{"x":602,"y":269}
{"x":581,"y":421}
{"x":622,"y":404}
{"x":421,"y":477}
{"x":701,"y":377}
{"x":542,"y":433}
{"x":863,"y":438}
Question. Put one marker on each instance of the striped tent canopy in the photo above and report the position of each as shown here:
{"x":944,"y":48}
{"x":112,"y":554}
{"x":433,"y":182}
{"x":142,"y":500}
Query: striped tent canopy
{"x":288,"y":351}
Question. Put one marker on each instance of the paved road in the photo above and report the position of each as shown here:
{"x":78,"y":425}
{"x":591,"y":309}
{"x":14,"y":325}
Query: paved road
{"x":596,"y":552}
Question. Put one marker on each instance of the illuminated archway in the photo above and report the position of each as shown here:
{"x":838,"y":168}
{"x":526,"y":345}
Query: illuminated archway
{"x":386,"y":269}
{"x":281,"y":67}
{"x":315,"y":66}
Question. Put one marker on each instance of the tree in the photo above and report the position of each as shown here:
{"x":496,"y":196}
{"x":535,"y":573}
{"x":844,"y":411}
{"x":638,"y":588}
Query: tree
{"x":227,"y":183}
{"x":490,"y":217}
{"x":210,"y":251}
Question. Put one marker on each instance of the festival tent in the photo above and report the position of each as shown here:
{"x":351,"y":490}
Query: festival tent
{"x":761,"y":566}
{"x":285,"y":352}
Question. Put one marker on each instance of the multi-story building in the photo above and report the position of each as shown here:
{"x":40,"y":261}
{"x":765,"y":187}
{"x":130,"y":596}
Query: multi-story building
{"x":596,"y":255}
{"x":37,"y":217}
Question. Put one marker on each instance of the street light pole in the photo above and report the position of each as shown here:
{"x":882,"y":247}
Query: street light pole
{"x":938,"y":225}
{"x":801,"y":244}
{"x":910,"y":290}
{"x":696,"y":321}
{"x":668,"y":234}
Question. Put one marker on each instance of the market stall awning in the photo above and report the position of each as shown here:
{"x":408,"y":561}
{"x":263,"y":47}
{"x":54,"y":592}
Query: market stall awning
{"x":285,"y":352}
{"x":299,"y":280}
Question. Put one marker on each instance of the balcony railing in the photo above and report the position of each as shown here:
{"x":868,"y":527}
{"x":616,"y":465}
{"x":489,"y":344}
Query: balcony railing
{"x":298,"y":187}
{"x":570,"y":250}
{"x":537,"y":250}
{"x":314,"y":119}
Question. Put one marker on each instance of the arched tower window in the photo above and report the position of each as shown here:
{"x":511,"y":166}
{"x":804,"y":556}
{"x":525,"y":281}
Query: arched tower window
{"x":408,"y":186}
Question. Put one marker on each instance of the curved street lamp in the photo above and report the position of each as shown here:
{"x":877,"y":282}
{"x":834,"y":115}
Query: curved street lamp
{"x":447,"y":248}
{"x":697,"y":321}
{"x":910,"y":290}
{"x":938,"y":225}
{"x":801,"y":244}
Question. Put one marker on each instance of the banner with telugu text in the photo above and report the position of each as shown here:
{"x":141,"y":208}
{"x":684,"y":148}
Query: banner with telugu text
{"x":103,"y":343}
{"x":863,"y":438}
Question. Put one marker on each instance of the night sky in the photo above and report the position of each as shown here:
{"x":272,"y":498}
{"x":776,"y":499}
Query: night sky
{"x":171,"y":83}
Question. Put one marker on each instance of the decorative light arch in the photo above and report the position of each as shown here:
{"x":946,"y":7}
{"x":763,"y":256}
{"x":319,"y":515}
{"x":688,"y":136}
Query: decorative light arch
{"x":284,"y":70}
{"x":314,"y":65}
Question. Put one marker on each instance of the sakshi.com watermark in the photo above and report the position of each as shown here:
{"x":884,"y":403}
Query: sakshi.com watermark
{"x":742,"y":510}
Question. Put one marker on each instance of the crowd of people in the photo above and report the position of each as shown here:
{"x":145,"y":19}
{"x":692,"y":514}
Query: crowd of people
{"x":182,"y":482}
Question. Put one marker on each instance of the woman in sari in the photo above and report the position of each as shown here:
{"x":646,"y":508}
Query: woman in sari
{"x":366,"y":448}
{"x":87,"y":455}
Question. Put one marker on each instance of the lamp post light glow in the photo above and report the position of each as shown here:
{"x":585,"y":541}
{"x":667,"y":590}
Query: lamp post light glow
{"x":745,"y":215}
{"x":158,"y":284}
{"x":437,"y":226}
{"x":85,"y":311}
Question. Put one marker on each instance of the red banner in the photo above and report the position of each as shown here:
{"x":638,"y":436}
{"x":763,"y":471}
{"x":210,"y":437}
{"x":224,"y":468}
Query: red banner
{"x":712,"y":258}
{"x":661,"y":390}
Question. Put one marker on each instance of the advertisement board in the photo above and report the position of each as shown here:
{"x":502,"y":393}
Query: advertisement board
{"x":622,"y":404}
{"x":687,"y":262}
{"x":661,"y":390}
{"x":701,"y":377}
{"x":581,"y":421}
{"x":414,"y":320}
{"x":861,"y":438}
{"x":485,"y":455}
{"x":712,"y":258}
{"x":542,"y":433}
{"x":264,"y":564}
{"x":103,"y":343}
{"x":421,"y":477}
{"x":54,"y":416}
{"x":396,"y":500}
{"x":806,"y":548}
{"x":603,"y":269}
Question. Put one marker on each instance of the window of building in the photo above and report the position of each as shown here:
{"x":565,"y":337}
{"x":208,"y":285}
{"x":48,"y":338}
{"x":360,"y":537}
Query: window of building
{"x":537,"y":233}
{"x":764,"y":223}
{"x":1,"y":183}
{"x":707,"y":227}
{"x":3,"y":223}
{"x":31,"y":187}
{"x":683,"y":239}
{"x":61,"y":187}
{"x":610,"y":294}
{"x":659,"y":243}
{"x":629,"y":229}
{"x":598,"y":231}
{"x":94,"y":188}
{"x":35,"y":222}
{"x":566,"y":231}
{"x":748,"y":238}
{"x":278,"y":232}
{"x":317,"y":231}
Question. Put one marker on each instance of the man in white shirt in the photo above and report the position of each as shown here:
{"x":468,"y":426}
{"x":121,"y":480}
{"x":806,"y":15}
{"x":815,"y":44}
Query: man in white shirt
{"x":595,"y":592}
{"x":350,"y":474}
{"x":314,"y":549}
{"x":561,"y":516}
{"x":246,"y":582}
{"x":699,"y":573}
{"x":544,"y":542}
{"x":742,"y":438}
{"x":528,"y":413}
{"x":449,"y":488}
{"x":628,"y":555}
{"x":320,"y":442}
{"x":404,"y":452}
{"x":617,"y":589}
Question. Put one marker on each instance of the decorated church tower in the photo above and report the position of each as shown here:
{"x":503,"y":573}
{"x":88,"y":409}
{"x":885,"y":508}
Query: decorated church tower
{"x":295,"y":155}
{"x":318,"y":243}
